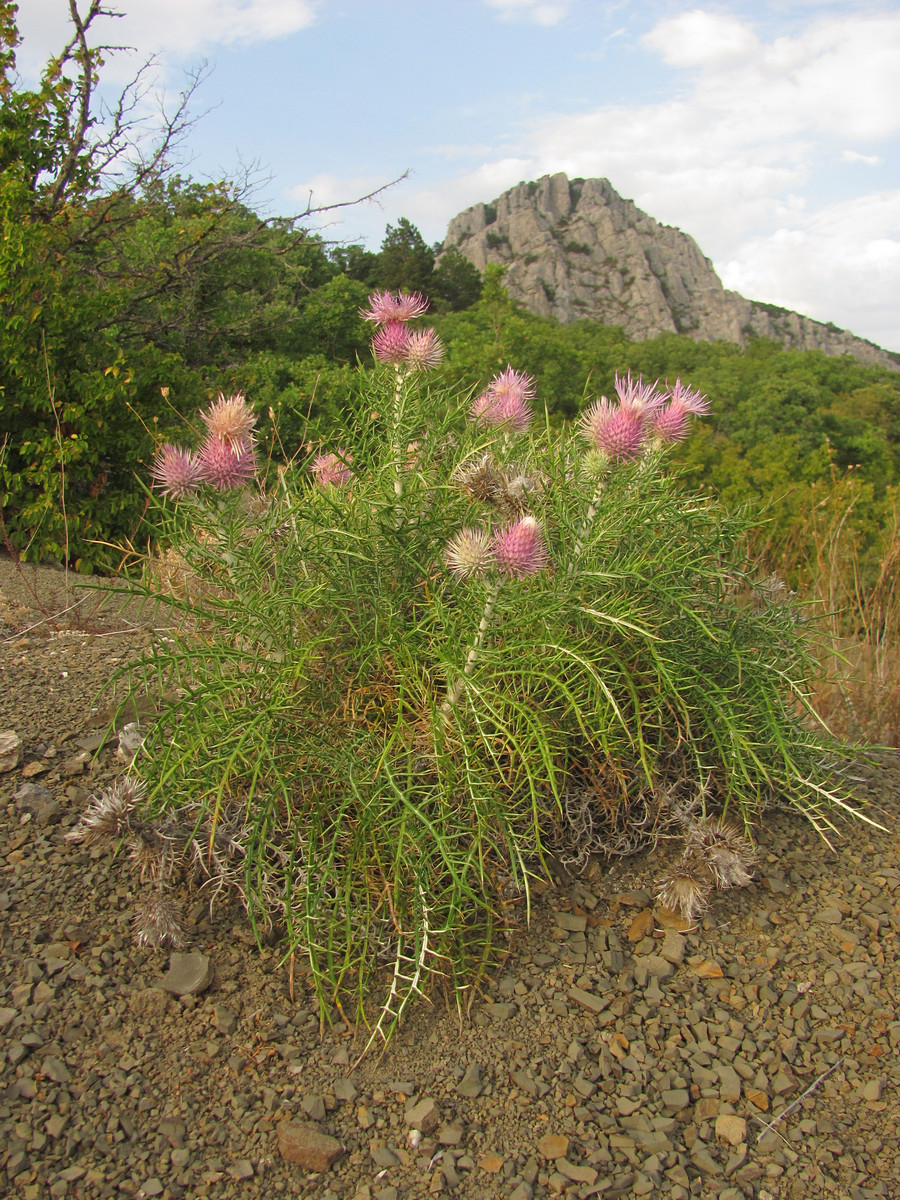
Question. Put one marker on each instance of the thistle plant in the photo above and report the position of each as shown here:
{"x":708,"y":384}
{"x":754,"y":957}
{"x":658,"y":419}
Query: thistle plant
{"x":443,"y":647}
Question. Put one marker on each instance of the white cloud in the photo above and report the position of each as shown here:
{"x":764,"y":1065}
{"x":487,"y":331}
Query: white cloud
{"x":842,"y":264}
{"x":178,"y":29}
{"x":538,"y":11}
{"x":871,"y":160}
{"x":701,"y":39}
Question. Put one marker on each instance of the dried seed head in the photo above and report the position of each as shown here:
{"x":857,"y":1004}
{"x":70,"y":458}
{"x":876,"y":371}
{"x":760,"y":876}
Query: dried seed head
{"x":481,"y":480}
{"x":156,"y":923}
{"x":686,"y":891}
{"x":110,"y":814}
{"x":468,"y":553}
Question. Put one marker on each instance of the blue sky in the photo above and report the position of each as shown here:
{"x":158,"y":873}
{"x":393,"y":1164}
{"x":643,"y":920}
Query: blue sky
{"x":768,"y":131}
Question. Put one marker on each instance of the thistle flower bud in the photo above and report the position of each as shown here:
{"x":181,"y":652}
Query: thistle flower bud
{"x":469,"y":553}
{"x":391,"y":343}
{"x":519,"y":549}
{"x":506,"y":401}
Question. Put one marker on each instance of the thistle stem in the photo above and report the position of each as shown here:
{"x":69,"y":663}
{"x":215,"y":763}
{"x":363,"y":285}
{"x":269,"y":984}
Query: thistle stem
{"x":454,"y":692}
{"x":582,"y":533}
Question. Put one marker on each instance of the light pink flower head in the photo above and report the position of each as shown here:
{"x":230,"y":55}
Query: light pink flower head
{"x":671,"y":423}
{"x":176,"y":471}
{"x":636,"y":396}
{"x":519,"y":549}
{"x":424,"y":349}
{"x":227,"y":465}
{"x":506,"y":401}
{"x":229,"y":418}
{"x":619,"y":432}
{"x":332,"y":468}
{"x":469,"y":553}
{"x":693,"y":401}
{"x":391,"y":343}
{"x":385,"y":306}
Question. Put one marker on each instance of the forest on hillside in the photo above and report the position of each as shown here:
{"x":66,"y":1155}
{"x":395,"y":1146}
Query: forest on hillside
{"x":133,"y":294}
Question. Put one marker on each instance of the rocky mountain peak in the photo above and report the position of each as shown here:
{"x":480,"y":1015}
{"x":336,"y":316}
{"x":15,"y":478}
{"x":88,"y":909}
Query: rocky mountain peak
{"x":575,"y":249}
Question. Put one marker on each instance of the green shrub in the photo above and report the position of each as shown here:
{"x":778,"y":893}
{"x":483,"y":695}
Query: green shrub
{"x":444,"y":647}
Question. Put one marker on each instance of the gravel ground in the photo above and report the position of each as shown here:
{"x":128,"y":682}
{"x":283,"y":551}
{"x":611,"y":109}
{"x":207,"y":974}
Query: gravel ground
{"x":614,"y":1054}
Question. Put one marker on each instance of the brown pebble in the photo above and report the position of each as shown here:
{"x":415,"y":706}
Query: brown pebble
{"x":303,"y":1143}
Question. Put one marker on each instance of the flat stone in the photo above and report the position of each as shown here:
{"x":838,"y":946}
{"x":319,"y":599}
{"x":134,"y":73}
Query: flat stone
{"x":676,"y":1098}
{"x":188,"y":974}
{"x":705,"y":1162}
{"x":731,"y":1129}
{"x":55,"y":1069}
{"x":345,"y":1090}
{"x":553,"y":1145}
{"x":303,"y":1143}
{"x":450,"y":1134}
{"x":571,"y":922}
{"x":224,"y":1020}
{"x":492,"y":1163}
{"x":10,"y":750}
{"x":470,"y":1085}
{"x":150,"y":1002}
{"x":652,"y":966}
{"x":424,"y":1116}
{"x":577,"y":1174}
{"x":31,"y":797}
{"x":829,"y":916}
{"x":588,"y":1001}
{"x":314,"y":1107}
{"x":783,"y":1083}
{"x":673,"y":947}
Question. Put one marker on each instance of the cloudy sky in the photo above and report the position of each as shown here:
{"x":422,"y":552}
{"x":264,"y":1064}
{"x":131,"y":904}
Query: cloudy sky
{"x":767,"y":130}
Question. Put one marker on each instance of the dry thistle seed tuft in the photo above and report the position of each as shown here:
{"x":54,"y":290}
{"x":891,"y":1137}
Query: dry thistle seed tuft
{"x":156,"y":923}
{"x":109,"y":815}
{"x":686,"y":891}
{"x":481,"y":480}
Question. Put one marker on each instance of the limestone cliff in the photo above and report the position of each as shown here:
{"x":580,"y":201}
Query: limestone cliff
{"x":575,"y":249}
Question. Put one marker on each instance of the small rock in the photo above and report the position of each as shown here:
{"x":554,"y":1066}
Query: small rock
{"x":577,"y":1174}
{"x":783,"y":1083}
{"x":173,"y":1130}
{"x":31,"y":797}
{"x":224,"y":1020}
{"x":872,"y":1090}
{"x":553,"y":1145}
{"x":345,"y":1090}
{"x":242,"y":1169}
{"x":55,"y":1069}
{"x":571,"y":922}
{"x":188,"y":974}
{"x":470,"y":1085}
{"x":450,"y":1134}
{"x":651,"y":966}
{"x":588,"y":1001}
{"x":424,"y":1116}
{"x":676,"y":1099}
{"x":314,"y":1107}
{"x":305,"y":1144}
{"x":705,"y":1162}
{"x":492,"y":1163}
{"x":673,"y":947}
{"x":49,"y":814}
{"x":641,"y":926}
{"x":829,"y":916}
{"x":731,"y":1129}
{"x":10,"y":750}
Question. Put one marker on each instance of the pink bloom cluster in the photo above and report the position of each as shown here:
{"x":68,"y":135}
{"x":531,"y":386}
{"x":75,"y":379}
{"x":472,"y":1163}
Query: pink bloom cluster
{"x":226,"y":458}
{"x":516,"y":550}
{"x":506,"y":401}
{"x":395,"y":342}
{"x":642,"y":414}
{"x":332,"y":468}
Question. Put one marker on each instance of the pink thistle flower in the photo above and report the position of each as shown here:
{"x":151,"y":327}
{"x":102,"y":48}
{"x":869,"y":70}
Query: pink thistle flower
{"x":424,"y":349}
{"x":692,"y":401}
{"x":229,"y":418}
{"x":519,"y":549}
{"x":636,"y":396}
{"x":506,"y":401}
{"x":620,"y":433}
{"x":384,"y":306}
{"x":332,"y":468}
{"x":176,"y":471}
{"x":227,"y":465}
{"x":672,"y":423}
{"x":469,"y":553}
{"x":391,"y":343}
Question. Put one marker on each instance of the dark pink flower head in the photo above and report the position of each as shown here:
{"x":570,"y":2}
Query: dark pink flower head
{"x":332,"y":468}
{"x":227,"y":465}
{"x":424,"y":349}
{"x":519,"y":549}
{"x":229,"y":418}
{"x":469,"y":553}
{"x":506,"y":401}
{"x":385,"y":306}
{"x":176,"y":471}
{"x":391,"y":343}
{"x":693,"y":401}
{"x":619,"y":432}
{"x":637,"y":396}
